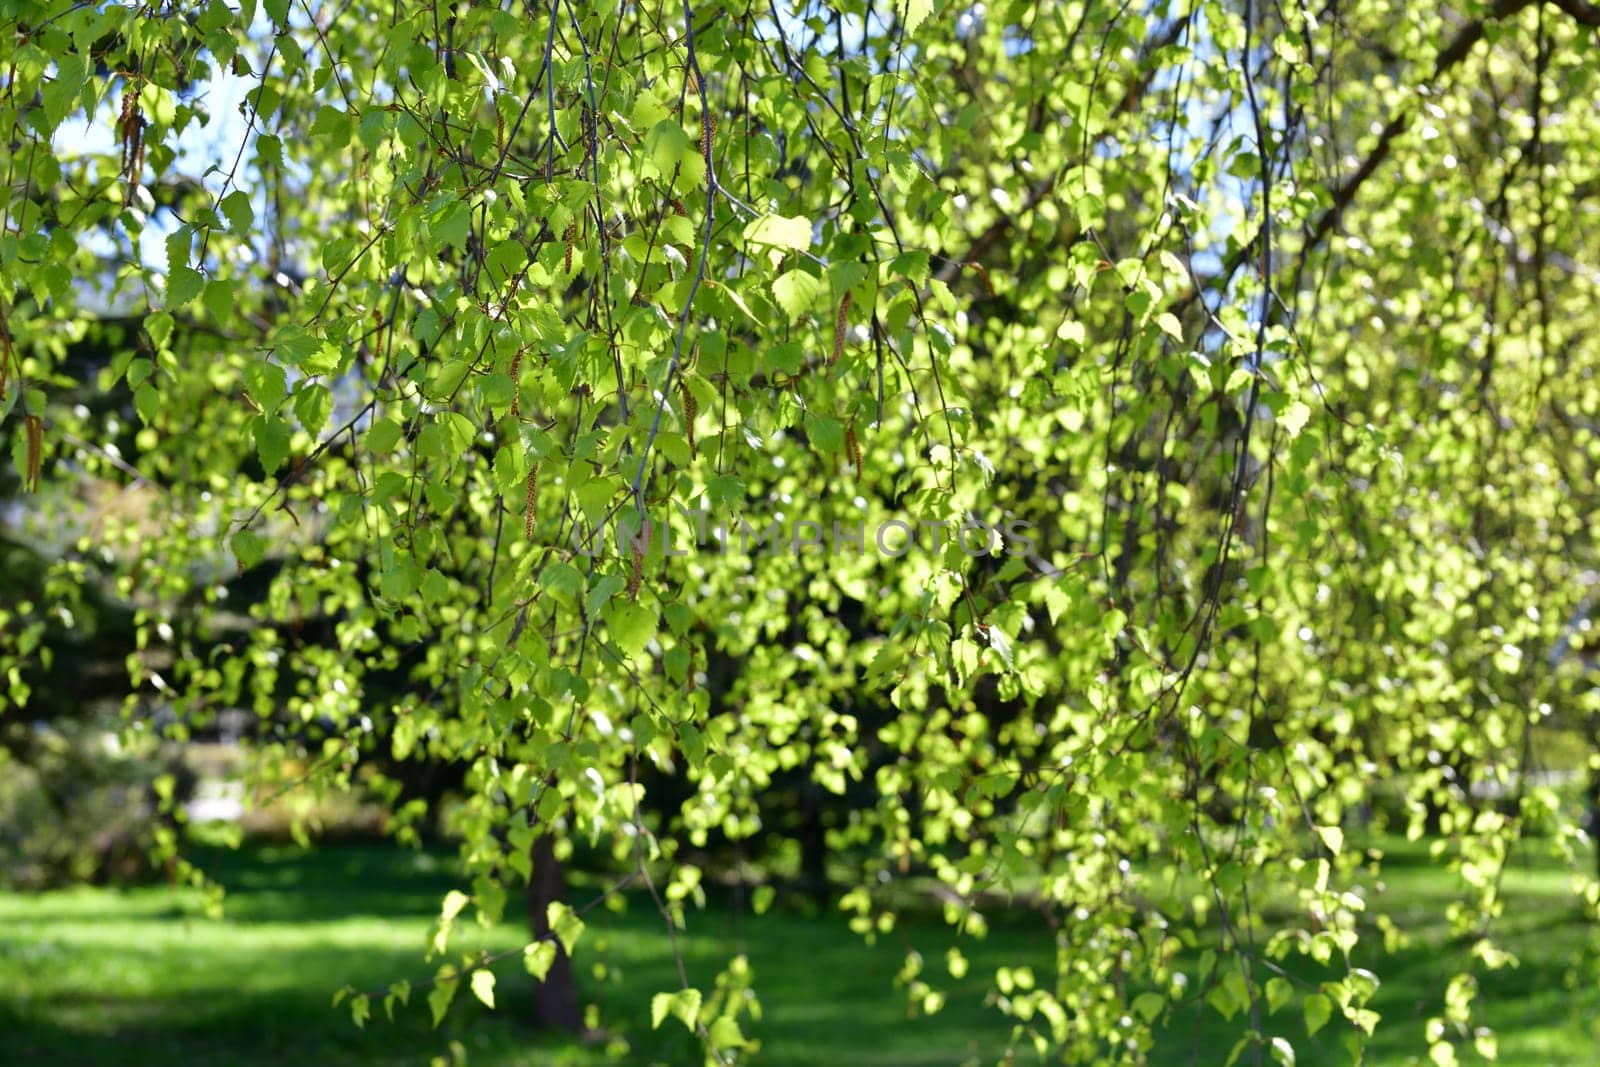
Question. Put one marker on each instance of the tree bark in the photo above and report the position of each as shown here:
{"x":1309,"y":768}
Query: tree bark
{"x":1591,"y":820}
{"x":813,"y":845}
{"x":555,"y":1000}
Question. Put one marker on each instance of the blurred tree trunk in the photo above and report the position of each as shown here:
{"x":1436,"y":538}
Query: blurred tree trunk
{"x":1591,"y":820}
{"x":555,"y":1000}
{"x":813,"y":844}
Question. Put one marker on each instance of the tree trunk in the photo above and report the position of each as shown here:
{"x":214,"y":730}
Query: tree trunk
{"x":1592,"y":816}
{"x":555,"y":1000}
{"x":813,"y":845}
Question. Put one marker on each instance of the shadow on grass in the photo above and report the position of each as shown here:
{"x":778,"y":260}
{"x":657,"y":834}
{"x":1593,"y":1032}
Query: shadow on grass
{"x":105,"y":977}
{"x":101,"y":977}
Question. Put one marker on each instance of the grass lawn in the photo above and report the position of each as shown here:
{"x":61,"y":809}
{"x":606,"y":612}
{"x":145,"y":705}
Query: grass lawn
{"x":96,"y":976}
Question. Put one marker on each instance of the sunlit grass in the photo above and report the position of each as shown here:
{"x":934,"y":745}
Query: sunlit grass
{"x":95,"y":976}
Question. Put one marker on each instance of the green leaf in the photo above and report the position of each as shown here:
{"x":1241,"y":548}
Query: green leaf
{"x":454,"y":901}
{"x":683,"y":1005}
{"x":448,"y":379}
{"x":565,"y":924}
{"x":399,"y":992}
{"x":738,"y":301}
{"x":795,"y":291}
{"x":725,"y":490}
{"x":398,"y":583}
{"x":1294,"y":418}
{"x":454,"y":225}
{"x":917,"y":12}
{"x":508,"y":473}
{"x":60,"y":93}
{"x":725,"y":1034}
{"x":602,"y":590}
{"x":265,"y":382}
{"x":564,"y":579}
{"x":825,"y":433}
{"x":312,"y":405}
{"x":294,"y":345}
{"x":236,"y":209}
{"x":1279,"y":993}
{"x":435,"y":587}
{"x":159,"y":326}
{"x":846,"y":276}
{"x":1318,"y":1010}
{"x":912,"y":265}
{"x":780,"y":231}
{"x":632,"y":625}
{"x":442,"y":993}
{"x":183,"y":285}
{"x":248,"y":549}
{"x":647,"y":110}
{"x":1001,"y":644}
{"x":1149,"y":1006}
{"x":538,"y":958}
{"x":383,"y":436}
{"x":670,"y":150}
{"x":660,"y":1007}
{"x":483,"y":986}
{"x":272,"y":441}
{"x":147,"y":402}
{"x":331,"y":123}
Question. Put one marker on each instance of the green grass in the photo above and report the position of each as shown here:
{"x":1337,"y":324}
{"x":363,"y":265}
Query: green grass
{"x":96,"y":976}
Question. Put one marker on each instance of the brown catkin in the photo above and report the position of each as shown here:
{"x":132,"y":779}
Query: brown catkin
{"x":125,"y":123}
{"x":852,"y":445}
{"x":5,"y":352}
{"x":530,"y":505}
{"x":636,"y":576}
{"x":840,"y":324}
{"x":35,"y":434}
{"x":516,"y":385}
{"x":569,"y":237}
{"x":691,"y":409}
{"x":130,"y":135}
{"x":983,"y":272}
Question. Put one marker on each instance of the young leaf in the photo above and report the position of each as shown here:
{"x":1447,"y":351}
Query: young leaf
{"x":795,"y":291}
{"x":483,"y":986}
{"x":780,"y":231}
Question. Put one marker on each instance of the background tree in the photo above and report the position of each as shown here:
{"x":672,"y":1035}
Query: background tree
{"x":1256,"y":355}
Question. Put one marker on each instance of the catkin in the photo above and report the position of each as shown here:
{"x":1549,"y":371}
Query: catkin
{"x":516,"y":386}
{"x":530,"y":506}
{"x":130,"y":134}
{"x":35,"y":434}
{"x":839,"y":325}
{"x":636,"y":576}
{"x":691,"y":409}
{"x":569,"y":237}
{"x":5,"y":352}
{"x":852,"y":445}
